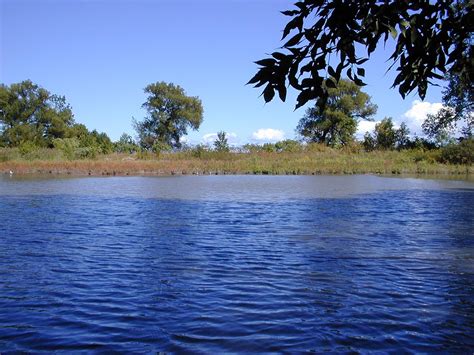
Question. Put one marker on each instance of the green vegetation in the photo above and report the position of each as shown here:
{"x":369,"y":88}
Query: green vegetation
{"x":32,"y":118}
{"x":38,"y":133}
{"x":170,"y":114}
{"x":221,"y":144}
{"x":286,"y":157}
{"x":336,"y":124}
{"x":385,"y":136}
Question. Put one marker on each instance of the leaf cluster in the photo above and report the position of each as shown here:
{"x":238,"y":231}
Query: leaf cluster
{"x":336,"y":123}
{"x":323,"y":41}
{"x":170,"y":113}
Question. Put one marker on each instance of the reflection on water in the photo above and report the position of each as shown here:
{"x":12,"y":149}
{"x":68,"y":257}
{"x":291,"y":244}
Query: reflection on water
{"x":227,"y":264}
{"x":227,"y":188}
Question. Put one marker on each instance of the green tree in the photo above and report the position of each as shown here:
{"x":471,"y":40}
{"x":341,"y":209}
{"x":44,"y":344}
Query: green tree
{"x":385,"y":134}
{"x":221,"y":144}
{"x":369,"y":142}
{"x":125,"y":144}
{"x":336,"y":123}
{"x":170,"y":113}
{"x":325,"y":38}
{"x":458,"y":99}
{"x":403,"y":136}
{"x":29,"y":113}
{"x":288,"y":145}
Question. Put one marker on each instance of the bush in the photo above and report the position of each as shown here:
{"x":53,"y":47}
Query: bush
{"x":26,"y":148}
{"x":288,"y":145}
{"x":67,"y":146}
{"x":460,"y":153}
{"x":200,"y":151}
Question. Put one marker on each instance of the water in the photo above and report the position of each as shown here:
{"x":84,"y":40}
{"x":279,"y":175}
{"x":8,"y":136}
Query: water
{"x":236,"y":264}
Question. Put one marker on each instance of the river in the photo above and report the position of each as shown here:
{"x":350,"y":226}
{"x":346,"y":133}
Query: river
{"x":223,"y":264}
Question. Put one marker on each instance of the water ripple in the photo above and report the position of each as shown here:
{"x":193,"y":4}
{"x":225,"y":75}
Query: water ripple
{"x":388,"y":271}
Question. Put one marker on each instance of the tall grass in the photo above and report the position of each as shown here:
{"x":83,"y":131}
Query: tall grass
{"x":314,"y":159}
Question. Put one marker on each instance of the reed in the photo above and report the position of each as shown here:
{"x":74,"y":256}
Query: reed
{"x":319,"y":160}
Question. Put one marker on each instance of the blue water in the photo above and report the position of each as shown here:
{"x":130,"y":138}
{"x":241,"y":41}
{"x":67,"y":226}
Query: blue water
{"x":109,"y":265}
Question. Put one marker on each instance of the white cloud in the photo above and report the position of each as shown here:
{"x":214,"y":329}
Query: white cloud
{"x":209,"y":138}
{"x":365,"y":126}
{"x":268,"y":135}
{"x":416,"y":115}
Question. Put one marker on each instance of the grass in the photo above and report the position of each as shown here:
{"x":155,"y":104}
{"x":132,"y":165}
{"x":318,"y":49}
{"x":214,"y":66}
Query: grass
{"x":317,"y":160}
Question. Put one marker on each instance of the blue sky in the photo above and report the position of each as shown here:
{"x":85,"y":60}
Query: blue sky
{"x":100,"y":54}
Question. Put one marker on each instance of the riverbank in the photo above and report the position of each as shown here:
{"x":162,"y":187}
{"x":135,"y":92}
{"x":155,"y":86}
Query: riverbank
{"x":272,"y":163}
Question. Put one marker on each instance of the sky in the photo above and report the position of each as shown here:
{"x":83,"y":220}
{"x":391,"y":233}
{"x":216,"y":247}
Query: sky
{"x":101,"y":54}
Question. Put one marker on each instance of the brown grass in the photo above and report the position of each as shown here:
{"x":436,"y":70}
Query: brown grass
{"x":328,"y":161}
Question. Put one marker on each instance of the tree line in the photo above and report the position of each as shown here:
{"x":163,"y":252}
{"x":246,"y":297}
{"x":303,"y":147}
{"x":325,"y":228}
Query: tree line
{"x":30,"y":116}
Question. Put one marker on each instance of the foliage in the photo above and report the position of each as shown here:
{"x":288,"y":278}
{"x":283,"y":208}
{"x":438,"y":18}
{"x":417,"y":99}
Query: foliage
{"x":169,"y":115}
{"x":68,"y":146}
{"x":288,"y":145}
{"x":369,"y":143}
{"x":458,"y":99}
{"x":336,"y":124}
{"x":326,"y":38}
{"x":200,"y":151}
{"x":386,"y":137}
{"x":125,"y":144}
{"x":385,"y":134}
{"x":32,"y":118}
{"x":460,"y":153}
{"x":402,"y":136}
{"x":160,"y":146}
{"x":29,"y":113}
{"x":221,"y":144}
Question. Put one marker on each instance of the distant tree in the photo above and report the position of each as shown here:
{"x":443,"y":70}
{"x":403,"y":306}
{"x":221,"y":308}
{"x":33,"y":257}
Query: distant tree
{"x":221,"y":144}
{"x":369,"y":143}
{"x":458,"y":100}
{"x":125,"y":144}
{"x":386,"y":136}
{"x":288,"y":145}
{"x":29,"y":113}
{"x":402,"y":136}
{"x":170,"y":114}
{"x":433,"y":39}
{"x":336,"y":124}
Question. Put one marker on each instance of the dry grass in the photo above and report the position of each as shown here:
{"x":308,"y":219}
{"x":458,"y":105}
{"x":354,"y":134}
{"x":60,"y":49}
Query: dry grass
{"x":316,"y":161}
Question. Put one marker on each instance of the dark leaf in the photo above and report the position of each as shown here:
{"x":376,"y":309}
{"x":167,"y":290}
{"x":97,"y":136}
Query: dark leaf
{"x":331,"y":71}
{"x":282,"y":92}
{"x":294,"y":40}
{"x":330,"y":83}
{"x":266,"y":62}
{"x":290,"y":12}
{"x":303,"y":98}
{"x":361,"y":71}
{"x":268,"y":93}
{"x":279,"y":56}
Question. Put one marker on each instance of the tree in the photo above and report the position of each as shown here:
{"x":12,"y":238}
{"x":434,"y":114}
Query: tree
{"x":458,"y":99}
{"x":402,"y":136}
{"x":170,"y":114}
{"x":221,"y":144}
{"x":336,"y":123}
{"x":125,"y":144}
{"x":386,"y":136}
{"x":433,"y":38}
{"x":29,"y":113}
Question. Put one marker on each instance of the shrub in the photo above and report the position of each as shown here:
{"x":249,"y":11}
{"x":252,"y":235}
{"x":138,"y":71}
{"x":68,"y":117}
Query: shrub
{"x":67,"y":146}
{"x":460,"y":153}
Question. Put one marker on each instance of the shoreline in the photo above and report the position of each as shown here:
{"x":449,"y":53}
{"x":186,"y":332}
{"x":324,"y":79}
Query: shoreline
{"x":225,"y":167}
